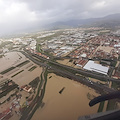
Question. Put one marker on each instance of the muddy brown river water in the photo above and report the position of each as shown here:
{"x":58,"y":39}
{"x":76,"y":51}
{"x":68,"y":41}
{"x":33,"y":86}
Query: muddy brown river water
{"x":70,"y":104}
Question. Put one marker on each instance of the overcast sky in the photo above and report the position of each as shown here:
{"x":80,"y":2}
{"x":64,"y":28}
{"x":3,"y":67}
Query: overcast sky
{"x":17,"y":15}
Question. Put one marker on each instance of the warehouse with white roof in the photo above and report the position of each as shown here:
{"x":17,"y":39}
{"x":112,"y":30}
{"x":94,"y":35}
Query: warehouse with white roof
{"x":92,"y":66}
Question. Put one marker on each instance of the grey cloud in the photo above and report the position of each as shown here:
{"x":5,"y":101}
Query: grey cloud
{"x":24,"y":14}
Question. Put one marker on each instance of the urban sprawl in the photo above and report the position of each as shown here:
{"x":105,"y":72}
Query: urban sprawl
{"x":88,"y":49}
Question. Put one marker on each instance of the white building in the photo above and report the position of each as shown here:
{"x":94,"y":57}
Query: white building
{"x":33,"y":45}
{"x":117,"y":45}
{"x":96,"y":67}
{"x":83,"y":55}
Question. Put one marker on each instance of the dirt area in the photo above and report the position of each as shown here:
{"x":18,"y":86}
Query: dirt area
{"x":95,"y":80}
{"x":66,"y":62}
{"x":105,"y":48}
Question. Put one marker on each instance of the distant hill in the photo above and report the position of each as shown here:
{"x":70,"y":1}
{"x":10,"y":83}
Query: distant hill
{"x":109,"y":21}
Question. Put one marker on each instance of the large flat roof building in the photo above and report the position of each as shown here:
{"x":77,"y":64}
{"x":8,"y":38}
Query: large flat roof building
{"x":92,"y":66}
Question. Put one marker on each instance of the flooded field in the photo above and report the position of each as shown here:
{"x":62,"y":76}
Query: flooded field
{"x":70,"y":104}
{"x":10,"y":59}
{"x":26,"y":76}
{"x":13,"y":59}
{"x":20,"y":71}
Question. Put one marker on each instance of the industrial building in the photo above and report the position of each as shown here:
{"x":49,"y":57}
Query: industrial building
{"x":92,"y":66}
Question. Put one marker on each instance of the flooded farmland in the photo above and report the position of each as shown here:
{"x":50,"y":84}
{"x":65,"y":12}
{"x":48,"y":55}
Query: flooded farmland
{"x":9,"y":59}
{"x":16,"y":70}
{"x":70,"y":104}
{"x":17,"y":60}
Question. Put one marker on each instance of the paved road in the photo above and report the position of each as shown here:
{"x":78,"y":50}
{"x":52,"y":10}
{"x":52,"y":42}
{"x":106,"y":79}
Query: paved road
{"x":82,"y":72}
{"x":83,"y":80}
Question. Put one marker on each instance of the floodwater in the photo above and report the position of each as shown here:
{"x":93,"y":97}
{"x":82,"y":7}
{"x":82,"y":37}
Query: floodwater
{"x":72,"y":103}
{"x":26,"y":76}
{"x":14,"y":58}
{"x":9,"y":59}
